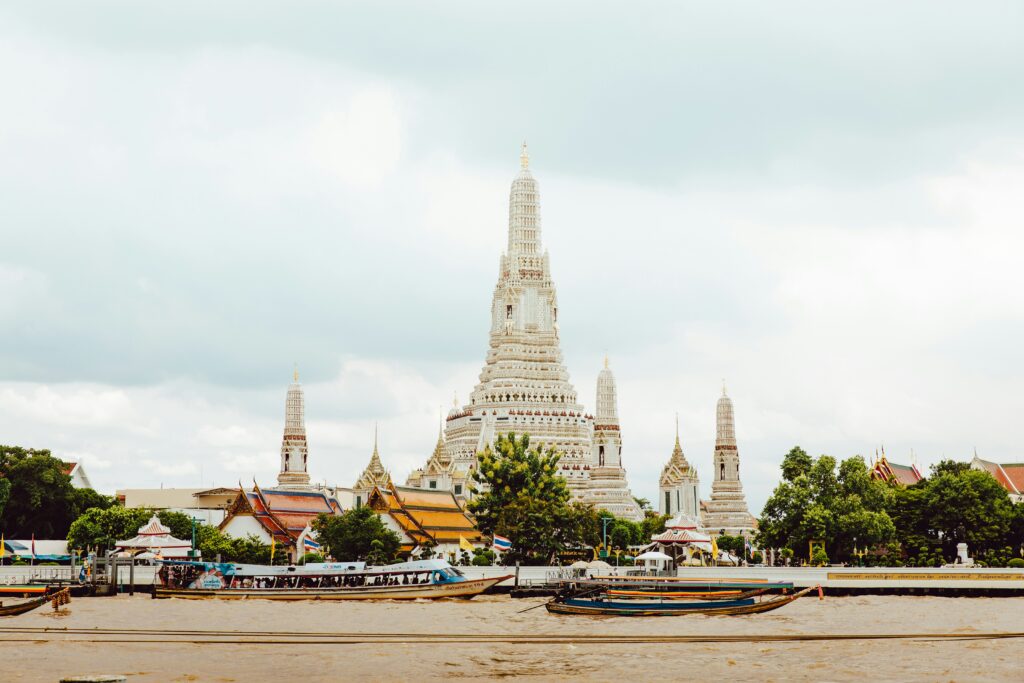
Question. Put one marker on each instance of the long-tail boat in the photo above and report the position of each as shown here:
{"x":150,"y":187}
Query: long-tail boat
{"x":62,"y":596}
{"x":601,"y":605}
{"x":669,"y":587}
{"x":317,"y":581}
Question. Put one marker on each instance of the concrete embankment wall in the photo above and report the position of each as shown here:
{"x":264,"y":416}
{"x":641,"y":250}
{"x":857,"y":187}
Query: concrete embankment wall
{"x":836,"y":580}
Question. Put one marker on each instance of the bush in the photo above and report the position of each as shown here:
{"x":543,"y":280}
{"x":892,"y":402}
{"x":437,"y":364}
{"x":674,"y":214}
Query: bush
{"x":311,"y":557}
{"x":819,"y":558}
{"x":1016,"y":563}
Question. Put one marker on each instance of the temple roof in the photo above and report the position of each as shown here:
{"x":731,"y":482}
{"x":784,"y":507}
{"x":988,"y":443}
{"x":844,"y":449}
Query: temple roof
{"x":905,"y":475}
{"x":677,"y":468}
{"x":425,"y":515}
{"x":374,"y":474}
{"x":284,"y":514}
{"x":1009,"y":475}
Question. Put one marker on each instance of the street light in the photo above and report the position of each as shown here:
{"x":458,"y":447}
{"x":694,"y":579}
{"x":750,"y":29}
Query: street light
{"x":604,"y":533}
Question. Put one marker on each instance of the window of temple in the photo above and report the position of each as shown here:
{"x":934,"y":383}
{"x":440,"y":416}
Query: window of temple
{"x":458,"y":489}
{"x":722,"y":470}
{"x":433,"y":483}
{"x":668,"y":502}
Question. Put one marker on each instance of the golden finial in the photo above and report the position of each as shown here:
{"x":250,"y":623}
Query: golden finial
{"x":295,"y":373}
{"x":524,"y":157}
{"x":606,"y":361}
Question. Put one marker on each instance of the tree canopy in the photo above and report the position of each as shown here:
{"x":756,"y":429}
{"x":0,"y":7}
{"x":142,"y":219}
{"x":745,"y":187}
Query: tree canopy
{"x":357,"y":534}
{"x":36,"y":496}
{"x":817,"y":500}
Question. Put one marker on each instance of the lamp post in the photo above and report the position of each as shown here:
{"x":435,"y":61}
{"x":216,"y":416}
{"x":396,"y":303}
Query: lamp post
{"x":604,"y":533}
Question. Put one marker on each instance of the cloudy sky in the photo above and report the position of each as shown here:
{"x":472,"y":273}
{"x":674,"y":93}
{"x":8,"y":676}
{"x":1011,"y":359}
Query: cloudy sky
{"x":820,"y":203}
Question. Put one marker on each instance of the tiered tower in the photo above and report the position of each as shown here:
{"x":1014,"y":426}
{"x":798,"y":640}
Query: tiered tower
{"x":679,"y":485}
{"x":294,"y":451}
{"x":373,"y":475}
{"x":608,"y":488}
{"x":727,"y":509}
{"x":524,"y":387}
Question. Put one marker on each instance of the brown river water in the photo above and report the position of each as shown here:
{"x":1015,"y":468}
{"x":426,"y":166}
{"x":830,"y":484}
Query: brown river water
{"x":32,"y":655}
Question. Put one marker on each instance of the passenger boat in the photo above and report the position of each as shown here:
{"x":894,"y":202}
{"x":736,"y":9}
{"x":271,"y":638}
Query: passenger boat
{"x":317,"y":581}
{"x":601,"y":605}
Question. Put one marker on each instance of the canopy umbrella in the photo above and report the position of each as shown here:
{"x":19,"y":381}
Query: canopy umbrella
{"x":653,"y":555}
{"x":598,"y":564}
{"x":578,"y":564}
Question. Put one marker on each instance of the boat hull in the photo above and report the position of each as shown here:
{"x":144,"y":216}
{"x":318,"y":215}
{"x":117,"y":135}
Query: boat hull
{"x":596,"y":608}
{"x":458,"y":589}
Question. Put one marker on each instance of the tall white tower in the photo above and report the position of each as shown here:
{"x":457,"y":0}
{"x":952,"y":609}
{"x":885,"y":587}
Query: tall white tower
{"x":607,"y":487}
{"x":294,"y":450}
{"x":524,"y":386}
{"x":727,"y":509}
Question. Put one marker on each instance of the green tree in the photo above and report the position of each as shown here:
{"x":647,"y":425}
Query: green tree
{"x":352,"y":536}
{"x":652,"y":524}
{"x":842,"y":506}
{"x":179,"y":523}
{"x":36,"y":496}
{"x":40,"y":499}
{"x":969,"y":506}
{"x":5,"y":494}
{"x":100,"y":529}
{"x":644,"y":503}
{"x":523,"y":498}
{"x":795,"y":463}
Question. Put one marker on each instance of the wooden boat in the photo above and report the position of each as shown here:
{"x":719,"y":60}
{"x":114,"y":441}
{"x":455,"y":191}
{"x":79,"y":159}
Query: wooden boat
{"x":423,"y":579}
{"x":62,"y":596}
{"x":682,"y":595}
{"x":663,"y":586}
{"x":599,"y":606}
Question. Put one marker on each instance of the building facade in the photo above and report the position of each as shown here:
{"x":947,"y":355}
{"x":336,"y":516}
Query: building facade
{"x":726,"y":511}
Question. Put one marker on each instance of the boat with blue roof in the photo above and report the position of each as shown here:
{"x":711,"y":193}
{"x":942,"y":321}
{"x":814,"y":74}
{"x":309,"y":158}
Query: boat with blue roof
{"x":419,"y":579}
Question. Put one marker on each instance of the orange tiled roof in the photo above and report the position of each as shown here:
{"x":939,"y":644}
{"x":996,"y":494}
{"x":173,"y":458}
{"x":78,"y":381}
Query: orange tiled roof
{"x":427,"y":515}
{"x":1015,"y":474}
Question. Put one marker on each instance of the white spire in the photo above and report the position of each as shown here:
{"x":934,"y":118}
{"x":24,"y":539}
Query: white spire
{"x":524,"y":214}
{"x":294,"y":449}
{"x":607,"y":396}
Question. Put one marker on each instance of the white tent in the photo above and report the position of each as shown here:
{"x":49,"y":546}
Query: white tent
{"x":653,"y":555}
{"x":156,"y":538}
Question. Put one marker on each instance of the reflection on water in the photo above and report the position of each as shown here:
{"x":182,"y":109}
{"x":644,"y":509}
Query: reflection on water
{"x":843,"y":660}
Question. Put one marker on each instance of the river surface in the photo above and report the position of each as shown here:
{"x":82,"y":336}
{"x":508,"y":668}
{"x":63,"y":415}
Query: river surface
{"x":49,"y":656}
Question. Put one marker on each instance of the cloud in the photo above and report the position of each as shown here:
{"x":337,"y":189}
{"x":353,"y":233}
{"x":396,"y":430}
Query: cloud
{"x":791,"y":199}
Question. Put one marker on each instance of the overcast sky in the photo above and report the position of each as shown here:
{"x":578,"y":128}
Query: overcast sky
{"x":820,"y":203}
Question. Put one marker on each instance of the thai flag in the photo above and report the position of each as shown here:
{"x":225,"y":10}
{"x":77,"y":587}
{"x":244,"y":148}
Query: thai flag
{"x":501,"y":543}
{"x":310,"y":544}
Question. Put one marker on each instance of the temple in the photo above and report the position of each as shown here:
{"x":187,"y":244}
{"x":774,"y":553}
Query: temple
{"x":524,"y":386}
{"x":294,"y":451}
{"x":1009,"y":475}
{"x":893,"y":473}
{"x":678,"y":490}
{"x":441,"y":472}
{"x":425,"y":518}
{"x":282,"y":515}
{"x":726,"y":512}
{"x":607,"y":488}
{"x":374,"y":475}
